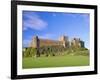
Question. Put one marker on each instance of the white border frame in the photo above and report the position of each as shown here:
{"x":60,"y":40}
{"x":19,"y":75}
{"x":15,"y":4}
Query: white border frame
{"x":21,"y":71}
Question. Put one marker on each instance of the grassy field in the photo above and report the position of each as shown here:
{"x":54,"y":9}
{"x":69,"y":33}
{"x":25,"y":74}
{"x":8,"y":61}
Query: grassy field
{"x":55,"y":61}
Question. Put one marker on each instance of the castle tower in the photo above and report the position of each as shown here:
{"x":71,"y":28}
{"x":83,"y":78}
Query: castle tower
{"x":64,"y":40}
{"x":82,"y":43}
{"x":77,"y":43}
{"x":35,"y":42}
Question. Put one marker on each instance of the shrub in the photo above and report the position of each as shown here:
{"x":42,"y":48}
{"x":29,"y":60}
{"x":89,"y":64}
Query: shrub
{"x":83,"y":53}
{"x":27,"y":52}
{"x":32,"y":52}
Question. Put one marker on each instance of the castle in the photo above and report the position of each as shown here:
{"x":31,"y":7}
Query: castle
{"x":39,"y":46}
{"x":63,"y":41}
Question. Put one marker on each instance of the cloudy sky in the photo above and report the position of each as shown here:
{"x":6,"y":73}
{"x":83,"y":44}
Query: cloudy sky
{"x":52,"y":25}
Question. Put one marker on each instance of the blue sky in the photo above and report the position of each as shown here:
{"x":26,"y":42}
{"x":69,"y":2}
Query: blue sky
{"x":52,"y":25}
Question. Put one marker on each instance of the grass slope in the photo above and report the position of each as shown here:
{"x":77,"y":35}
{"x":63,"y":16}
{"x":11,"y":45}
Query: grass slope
{"x":55,"y":61}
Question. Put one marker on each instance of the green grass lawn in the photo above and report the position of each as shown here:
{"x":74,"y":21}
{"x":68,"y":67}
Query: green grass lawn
{"x":55,"y":61}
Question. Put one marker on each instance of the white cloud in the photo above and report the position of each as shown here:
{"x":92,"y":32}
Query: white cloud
{"x":33,"y":21}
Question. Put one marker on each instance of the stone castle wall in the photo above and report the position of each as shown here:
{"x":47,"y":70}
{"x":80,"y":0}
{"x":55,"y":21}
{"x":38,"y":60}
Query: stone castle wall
{"x":63,"y":41}
{"x":38,"y":42}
